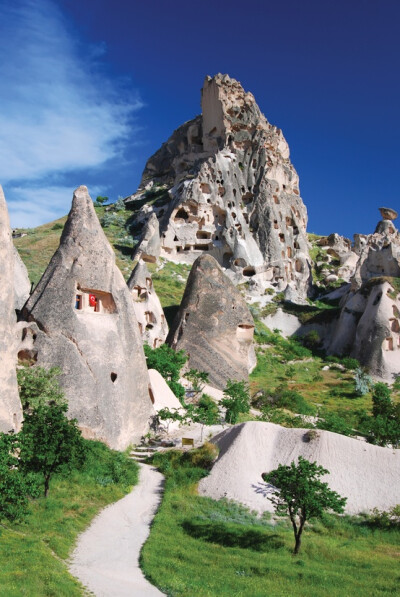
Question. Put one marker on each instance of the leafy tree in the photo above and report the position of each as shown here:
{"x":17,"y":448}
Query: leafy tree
{"x":299,"y":494}
{"x":13,"y":486}
{"x":169,"y":363}
{"x":198,"y":379}
{"x":236,"y":400}
{"x":39,"y":386}
{"x":49,"y":442}
{"x":204,"y":412}
{"x":381,"y":400}
{"x":363,"y":381}
{"x":100,"y":200}
{"x":168,"y":415}
{"x":384,"y":426}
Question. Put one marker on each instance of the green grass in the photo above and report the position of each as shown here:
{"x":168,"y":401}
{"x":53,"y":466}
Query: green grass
{"x":168,"y":286}
{"x":33,"y":552}
{"x":201,"y":547}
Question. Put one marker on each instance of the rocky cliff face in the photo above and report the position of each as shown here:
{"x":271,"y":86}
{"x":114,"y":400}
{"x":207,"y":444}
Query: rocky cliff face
{"x":214,"y":325}
{"x":10,"y":405}
{"x":232,"y":192}
{"x":369,"y":323}
{"x":83,"y":321}
{"x":22,"y":284}
{"x":153,"y":326}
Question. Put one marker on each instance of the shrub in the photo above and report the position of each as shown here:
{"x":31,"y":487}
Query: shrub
{"x":236,"y":400}
{"x":169,"y":363}
{"x":363,"y":381}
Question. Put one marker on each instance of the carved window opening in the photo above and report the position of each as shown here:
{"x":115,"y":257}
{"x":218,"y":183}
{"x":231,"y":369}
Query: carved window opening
{"x":151,"y":395}
{"x":203,"y":234}
{"x":282,"y":237}
{"x":181,"y":214}
{"x":245,"y":332}
{"x":249,"y":271}
{"x":113,"y":377}
{"x":389,"y":343}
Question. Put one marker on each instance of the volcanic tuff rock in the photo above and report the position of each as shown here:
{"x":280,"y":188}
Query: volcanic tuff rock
{"x":214,"y":325}
{"x":10,"y":405}
{"x":86,"y":325}
{"x":232,"y":191}
{"x":22,"y":284}
{"x":149,"y":245}
{"x":149,"y":313}
{"x":369,"y":323}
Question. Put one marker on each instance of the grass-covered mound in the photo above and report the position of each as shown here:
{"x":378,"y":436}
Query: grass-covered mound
{"x":33,"y":552}
{"x":201,"y":547}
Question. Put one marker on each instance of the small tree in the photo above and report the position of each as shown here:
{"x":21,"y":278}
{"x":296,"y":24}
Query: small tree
{"x":204,"y":412}
{"x":168,"y":415}
{"x":13,"y":486}
{"x":236,"y":400}
{"x":39,"y":386}
{"x":299,"y":494}
{"x":49,"y":442}
{"x":363,"y":381}
{"x":100,"y":201}
{"x":198,"y":379}
{"x":384,"y":427}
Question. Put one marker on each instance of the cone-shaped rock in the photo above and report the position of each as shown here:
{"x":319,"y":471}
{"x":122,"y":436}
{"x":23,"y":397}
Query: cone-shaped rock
{"x":214,"y":325}
{"x":10,"y":405}
{"x":153,"y":326}
{"x":87,"y":327}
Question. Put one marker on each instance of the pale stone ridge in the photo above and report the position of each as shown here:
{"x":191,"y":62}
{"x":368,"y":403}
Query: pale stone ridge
{"x":22,"y":285}
{"x":214,"y":325}
{"x":233,"y":193}
{"x":149,"y":313}
{"x":10,"y":405}
{"x":86,"y":325}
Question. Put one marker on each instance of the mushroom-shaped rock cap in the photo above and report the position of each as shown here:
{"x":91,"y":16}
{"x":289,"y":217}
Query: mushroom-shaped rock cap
{"x":388,"y":213}
{"x":214,"y":325}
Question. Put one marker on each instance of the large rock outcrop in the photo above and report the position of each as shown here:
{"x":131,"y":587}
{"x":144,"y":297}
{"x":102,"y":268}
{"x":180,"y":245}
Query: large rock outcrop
{"x":214,"y":325}
{"x":84,"y":318}
{"x":153,"y":326}
{"x":369,"y":324}
{"x":10,"y":405}
{"x":232,"y":192}
{"x":368,"y":476}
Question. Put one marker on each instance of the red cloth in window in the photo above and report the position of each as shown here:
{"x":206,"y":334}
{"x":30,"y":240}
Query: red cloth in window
{"x":92,"y":300}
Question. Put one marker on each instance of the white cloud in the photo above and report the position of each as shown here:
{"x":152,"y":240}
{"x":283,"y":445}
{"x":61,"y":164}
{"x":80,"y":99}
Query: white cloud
{"x":34,"y":206}
{"x":59,"y":111}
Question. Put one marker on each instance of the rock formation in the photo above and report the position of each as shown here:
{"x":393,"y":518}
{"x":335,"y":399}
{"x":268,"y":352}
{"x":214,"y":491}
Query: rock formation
{"x":10,"y":405}
{"x":149,"y":246}
{"x":83,"y":315}
{"x":368,"y":476}
{"x":232,"y":191}
{"x":214,"y":325}
{"x":149,"y":313}
{"x":22,"y":285}
{"x":369,"y":323}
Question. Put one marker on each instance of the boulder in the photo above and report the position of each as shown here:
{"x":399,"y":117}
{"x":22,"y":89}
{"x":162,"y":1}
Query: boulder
{"x":233,"y":192}
{"x":10,"y":405}
{"x":149,"y":313}
{"x":214,"y":325}
{"x":85,"y":324}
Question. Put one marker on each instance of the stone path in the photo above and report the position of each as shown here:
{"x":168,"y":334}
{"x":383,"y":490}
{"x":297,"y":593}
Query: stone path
{"x":106,"y":559}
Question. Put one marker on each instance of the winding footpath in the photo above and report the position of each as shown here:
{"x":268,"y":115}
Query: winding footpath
{"x":106,"y":559}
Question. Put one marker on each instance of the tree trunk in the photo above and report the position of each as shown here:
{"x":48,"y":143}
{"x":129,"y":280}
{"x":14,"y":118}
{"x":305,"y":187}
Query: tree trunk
{"x":297,"y":543}
{"x":46,"y":485}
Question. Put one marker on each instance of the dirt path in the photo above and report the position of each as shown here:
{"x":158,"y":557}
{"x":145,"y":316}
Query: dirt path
{"x":106,"y":559}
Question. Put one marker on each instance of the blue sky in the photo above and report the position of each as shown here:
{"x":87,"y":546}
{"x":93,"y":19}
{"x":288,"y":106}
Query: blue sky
{"x":89,"y":90}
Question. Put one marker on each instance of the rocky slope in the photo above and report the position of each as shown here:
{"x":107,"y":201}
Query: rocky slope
{"x":224,"y":184}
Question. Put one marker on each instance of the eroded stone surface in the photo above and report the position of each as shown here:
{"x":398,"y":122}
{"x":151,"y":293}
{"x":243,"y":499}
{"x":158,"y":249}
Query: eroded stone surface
{"x":214,"y":325}
{"x":10,"y":405}
{"x":233,"y":192}
{"x":22,"y":283}
{"x":86,"y":325}
{"x":153,"y":326}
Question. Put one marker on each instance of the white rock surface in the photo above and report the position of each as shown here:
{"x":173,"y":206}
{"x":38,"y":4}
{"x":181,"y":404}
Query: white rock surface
{"x":10,"y":405}
{"x":369,"y":476}
{"x":22,"y":285}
